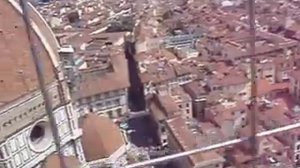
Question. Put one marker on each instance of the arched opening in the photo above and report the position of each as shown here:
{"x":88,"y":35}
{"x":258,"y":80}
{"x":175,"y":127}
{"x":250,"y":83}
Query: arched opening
{"x":40,"y":136}
{"x":37,"y":134}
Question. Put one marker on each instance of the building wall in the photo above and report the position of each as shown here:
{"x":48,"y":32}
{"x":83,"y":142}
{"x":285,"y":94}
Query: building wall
{"x":198,"y":103}
{"x":232,"y":89}
{"x":186,"y":109}
{"x":227,"y":128}
{"x":185,"y":162}
{"x":282,"y":76}
{"x":153,"y":43}
{"x":266,"y":73}
{"x":25,"y":111}
{"x":112,"y":104}
{"x":162,"y":133}
{"x":264,"y":145}
{"x":295,"y":88}
{"x":181,"y":162}
{"x":198,"y":108}
{"x":296,"y":150}
{"x":240,"y":120}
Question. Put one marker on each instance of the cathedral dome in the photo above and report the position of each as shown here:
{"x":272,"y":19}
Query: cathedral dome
{"x":17,"y":71}
{"x":101,"y":137}
{"x":53,"y":161}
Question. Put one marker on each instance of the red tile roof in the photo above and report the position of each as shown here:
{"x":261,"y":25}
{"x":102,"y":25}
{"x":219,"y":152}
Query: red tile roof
{"x":17,"y":72}
{"x":100,"y":138}
{"x":53,"y":161}
{"x":187,"y":141}
{"x":264,"y":87}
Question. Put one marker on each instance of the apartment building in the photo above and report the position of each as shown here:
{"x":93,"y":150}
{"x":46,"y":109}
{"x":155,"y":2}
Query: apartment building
{"x":230,"y":116}
{"x":159,"y":68}
{"x":103,"y":85}
{"x":168,"y":104}
{"x":182,"y":138}
{"x":179,"y":98}
{"x":159,"y":117}
{"x":295,"y":84}
{"x":199,"y":97}
{"x":229,"y":81}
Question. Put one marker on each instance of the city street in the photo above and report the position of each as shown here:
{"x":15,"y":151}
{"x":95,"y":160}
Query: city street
{"x":144,"y":134}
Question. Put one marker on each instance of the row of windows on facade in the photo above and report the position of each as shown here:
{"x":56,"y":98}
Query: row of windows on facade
{"x":187,"y":110}
{"x":187,"y":105}
{"x":64,"y":124}
{"x":227,"y":88}
{"x":19,"y":159}
{"x":110,"y":113}
{"x":111,"y":94}
{"x":109,"y":103}
{"x":7,"y":164}
{"x":17,"y":144}
{"x":14,"y":146}
{"x":297,"y":150}
{"x":298,"y":146}
{"x":60,"y":117}
{"x":178,"y":80}
{"x":106,"y":106}
{"x":172,"y":83}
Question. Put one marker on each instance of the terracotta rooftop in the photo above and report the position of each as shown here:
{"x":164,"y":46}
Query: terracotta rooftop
{"x":17,"y":72}
{"x":156,"y":111}
{"x":195,"y":89}
{"x":275,"y":116}
{"x":263,"y":87}
{"x":100,"y":138}
{"x":226,"y":111}
{"x":168,"y":103}
{"x":53,"y":161}
{"x":240,"y":156}
{"x":158,"y":72}
{"x":154,"y":55}
{"x":286,"y":101}
{"x":187,"y":141}
{"x":179,"y":95}
{"x":234,"y":77}
{"x":149,"y":56}
{"x":94,"y":83}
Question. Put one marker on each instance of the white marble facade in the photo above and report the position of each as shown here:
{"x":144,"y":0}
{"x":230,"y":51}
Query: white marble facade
{"x":24,"y":149}
{"x":25,"y":135}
